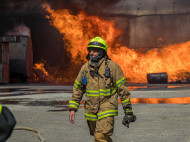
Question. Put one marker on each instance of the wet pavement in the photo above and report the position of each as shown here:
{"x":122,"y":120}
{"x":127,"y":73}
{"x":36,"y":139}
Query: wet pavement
{"x":10,"y":94}
{"x":162,"y":112}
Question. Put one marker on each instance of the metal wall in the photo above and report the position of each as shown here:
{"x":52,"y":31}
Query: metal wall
{"x":149,"y":7}
{"x":155,"y":31}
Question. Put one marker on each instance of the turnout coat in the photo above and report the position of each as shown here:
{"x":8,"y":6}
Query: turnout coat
{"x":101,"y":93}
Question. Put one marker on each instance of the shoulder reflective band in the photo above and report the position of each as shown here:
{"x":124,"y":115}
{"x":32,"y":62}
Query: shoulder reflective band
{"x":73,"y":104}
{"x":90,"y":117}
{"x":0,"y":108}
{"x":77,"y":84}
{"x":126,"y":102}
{"x":107,"y":113}
{"x":120,"y":82}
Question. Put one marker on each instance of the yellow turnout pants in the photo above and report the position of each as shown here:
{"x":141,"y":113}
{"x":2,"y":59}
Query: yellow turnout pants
{"x":102,"y":129}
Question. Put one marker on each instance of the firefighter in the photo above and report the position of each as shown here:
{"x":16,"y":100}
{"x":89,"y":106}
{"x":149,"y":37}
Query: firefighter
{"x":101,"y":80}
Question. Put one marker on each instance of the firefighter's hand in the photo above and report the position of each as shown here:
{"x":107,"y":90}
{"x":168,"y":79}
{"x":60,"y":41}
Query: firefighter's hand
{"x":128,"y":119}
{"x":72,"y":116}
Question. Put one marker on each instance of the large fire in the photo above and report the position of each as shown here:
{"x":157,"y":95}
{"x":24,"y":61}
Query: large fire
{"x":77,"y":30}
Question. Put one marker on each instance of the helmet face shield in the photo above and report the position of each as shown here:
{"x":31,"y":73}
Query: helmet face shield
{"x":94,"y":49}
{"x":101,"y":52}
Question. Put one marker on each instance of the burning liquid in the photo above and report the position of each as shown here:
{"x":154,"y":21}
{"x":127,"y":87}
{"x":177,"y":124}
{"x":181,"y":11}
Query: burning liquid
{"x":78,"y":30}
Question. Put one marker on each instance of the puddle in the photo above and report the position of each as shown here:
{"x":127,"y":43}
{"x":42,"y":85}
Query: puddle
{"x":8,"y":90}
{"x":19,"y":94}
{"x":49,"y":103}
{"x":64,"y":105}
{"x":15,"y":101}
{"x":180,"y":100}
{"x":24,"y":91}
{"x":5,"y":92}
{"x":155,"y":87}
{"x":37,"y":90}
{"x":49,"y":90}
{"x":57,"y":110}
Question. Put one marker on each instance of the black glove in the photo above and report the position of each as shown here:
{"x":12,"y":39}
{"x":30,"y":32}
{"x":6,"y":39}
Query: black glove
{"x":128,"y":119}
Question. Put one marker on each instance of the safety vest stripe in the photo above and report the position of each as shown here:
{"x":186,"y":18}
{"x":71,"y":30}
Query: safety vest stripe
{"x":73,"y":104}
{"x":120,"y":82}
{"x":127,"y":101}
{"x":107,"y":113}
{"x":77,"y":84}
{"x":90,"y":117}
{"x":0,"y":108}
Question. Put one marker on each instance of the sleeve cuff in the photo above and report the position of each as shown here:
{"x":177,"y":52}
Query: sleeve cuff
{"x":72,"y":109}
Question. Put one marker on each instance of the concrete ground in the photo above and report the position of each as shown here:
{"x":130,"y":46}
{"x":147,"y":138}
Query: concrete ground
{"x":45,"y":108}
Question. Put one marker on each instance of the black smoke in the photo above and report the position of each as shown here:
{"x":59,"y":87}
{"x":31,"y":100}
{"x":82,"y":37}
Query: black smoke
{"x":94,"y":7}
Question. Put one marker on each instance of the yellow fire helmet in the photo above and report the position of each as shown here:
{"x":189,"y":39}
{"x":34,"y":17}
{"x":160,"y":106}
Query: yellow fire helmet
{"x":97,"y":42}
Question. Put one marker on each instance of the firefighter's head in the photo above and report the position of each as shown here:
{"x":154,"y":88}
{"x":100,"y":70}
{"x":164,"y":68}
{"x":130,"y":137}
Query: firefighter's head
{"x":97,"y":42}
{"x":97,"y":48}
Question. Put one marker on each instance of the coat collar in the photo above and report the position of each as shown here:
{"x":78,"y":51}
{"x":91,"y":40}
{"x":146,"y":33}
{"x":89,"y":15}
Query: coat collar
{"x":100,"y":67}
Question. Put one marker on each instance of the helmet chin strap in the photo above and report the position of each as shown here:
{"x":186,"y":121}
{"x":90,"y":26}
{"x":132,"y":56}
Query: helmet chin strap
{"x":95,"y":60}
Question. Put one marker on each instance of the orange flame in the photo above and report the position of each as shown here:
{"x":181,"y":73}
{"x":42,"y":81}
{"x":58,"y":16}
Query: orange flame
{"x":41,"y":75}
{"x":172,"y":59}
{"x":77,"y":30}
{"x":80,"y":29}
{"x":40,"y":66}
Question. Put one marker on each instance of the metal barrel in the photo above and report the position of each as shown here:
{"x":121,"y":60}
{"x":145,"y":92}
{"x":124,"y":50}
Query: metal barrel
{"x":154,"y":78}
